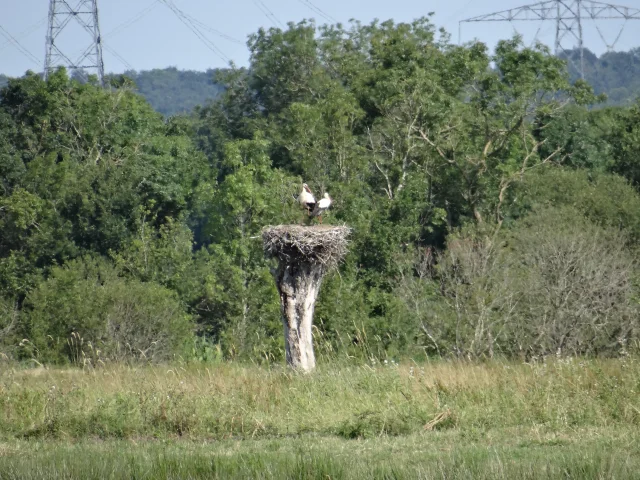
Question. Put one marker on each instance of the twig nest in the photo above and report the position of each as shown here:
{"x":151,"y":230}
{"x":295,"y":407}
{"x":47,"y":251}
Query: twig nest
{"x":325,"y":245}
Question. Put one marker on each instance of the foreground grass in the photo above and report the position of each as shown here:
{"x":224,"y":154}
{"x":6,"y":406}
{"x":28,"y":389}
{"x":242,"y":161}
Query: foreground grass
{"x":522,"y":454}
{"x":575,"y":419}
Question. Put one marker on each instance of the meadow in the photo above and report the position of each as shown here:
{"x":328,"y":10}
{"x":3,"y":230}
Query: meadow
{"x":561,"y":418}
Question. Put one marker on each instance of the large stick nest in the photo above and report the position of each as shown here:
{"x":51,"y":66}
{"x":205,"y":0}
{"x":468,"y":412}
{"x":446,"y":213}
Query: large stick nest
{"x":321,"y":244}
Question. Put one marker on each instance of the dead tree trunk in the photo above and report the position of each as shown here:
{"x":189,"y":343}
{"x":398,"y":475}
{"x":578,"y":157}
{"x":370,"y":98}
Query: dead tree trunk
{"x":298,"y":286}
{"x":304,"y":254}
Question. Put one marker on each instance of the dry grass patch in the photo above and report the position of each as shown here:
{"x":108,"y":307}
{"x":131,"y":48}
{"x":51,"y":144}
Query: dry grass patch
{"x":235,"y":401}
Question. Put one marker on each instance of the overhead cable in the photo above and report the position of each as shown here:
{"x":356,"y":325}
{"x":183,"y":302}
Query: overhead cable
{"x":190,"y":25}
{"x":118,"y":56}
{"x":17,"y":44}
{"x":268,"y":13}
{"x":317,"y":10}
{"x":211,"y":29}
{"x":26,"y":32}
{"x":132,"y":20}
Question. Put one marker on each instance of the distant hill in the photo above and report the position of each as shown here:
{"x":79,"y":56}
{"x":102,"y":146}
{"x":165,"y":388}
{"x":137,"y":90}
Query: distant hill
{"x":615,"y":73}
{"x":171,"y":91}
{"x":3,"y":80}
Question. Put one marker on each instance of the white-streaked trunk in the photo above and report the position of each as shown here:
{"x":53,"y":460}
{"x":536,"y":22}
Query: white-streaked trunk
{"x":298,"y":285}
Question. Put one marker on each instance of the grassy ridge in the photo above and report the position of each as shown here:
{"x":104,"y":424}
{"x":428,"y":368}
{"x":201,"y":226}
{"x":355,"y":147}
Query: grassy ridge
{"x":568,"y":418}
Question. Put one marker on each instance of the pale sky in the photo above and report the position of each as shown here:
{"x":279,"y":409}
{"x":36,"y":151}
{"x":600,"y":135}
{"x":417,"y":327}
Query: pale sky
{"x":146,"y":34}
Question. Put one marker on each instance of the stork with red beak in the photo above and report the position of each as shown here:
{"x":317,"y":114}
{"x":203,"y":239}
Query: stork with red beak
{"x":306,"y":199}
{"x":321,"y":206}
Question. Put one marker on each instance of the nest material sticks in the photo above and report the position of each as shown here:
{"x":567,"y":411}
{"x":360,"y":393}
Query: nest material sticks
{"x":321,"y":244}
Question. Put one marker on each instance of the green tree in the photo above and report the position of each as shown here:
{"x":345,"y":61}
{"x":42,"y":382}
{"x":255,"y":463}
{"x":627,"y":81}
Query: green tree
{"x":77,"y":164}
{"x":625,"y":142}
{"x":239,"y":302}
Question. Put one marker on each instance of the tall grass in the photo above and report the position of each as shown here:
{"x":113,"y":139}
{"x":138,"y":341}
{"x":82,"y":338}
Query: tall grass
{"x":436,"y":455}
{"x":564,"y":418}
{"x":234,"y":401}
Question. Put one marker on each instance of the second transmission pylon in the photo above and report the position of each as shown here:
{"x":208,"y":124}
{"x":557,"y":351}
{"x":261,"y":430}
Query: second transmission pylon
{"x":568,"y":15}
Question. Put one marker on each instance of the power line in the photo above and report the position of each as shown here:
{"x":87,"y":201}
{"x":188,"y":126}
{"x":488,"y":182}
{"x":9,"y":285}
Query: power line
{"x":190,"y":25}
{"x":132,"y":20}
{"x":213,"y":30}
{"x":118,"y":56}
{"x":17,"y":44}
{"x":184,"y":19}
{"x":268,"y":13}
{"x":81,"y":53}
{"x":26,"y":32}
{"x":317,"y":10}
{"x":458,"y":12}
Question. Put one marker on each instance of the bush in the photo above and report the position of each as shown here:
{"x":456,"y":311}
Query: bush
{"x":554,"y":284}
{"x":575,"y":286}
{"x":86,"y":312}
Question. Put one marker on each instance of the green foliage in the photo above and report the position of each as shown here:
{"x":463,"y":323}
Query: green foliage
{"x":607,"y":200}
{"x":9,"y":322}
{"x":625,"y":142}
{"x":580,"y":137}
{"x":239,"y":302}
{"x":85,"y":312}
{"x":78,"y":163}
{"x":162,"y":255}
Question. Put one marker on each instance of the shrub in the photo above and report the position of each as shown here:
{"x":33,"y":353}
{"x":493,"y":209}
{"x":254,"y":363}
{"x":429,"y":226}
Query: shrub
{"x":554,"y":284}
{"x":86,"y":312}
{"x":575,"y":286}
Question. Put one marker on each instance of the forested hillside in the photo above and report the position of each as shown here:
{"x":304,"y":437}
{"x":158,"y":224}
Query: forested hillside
{"x":171,"y":91}
{"x":493,"y":213}
{"x":616,"y":74}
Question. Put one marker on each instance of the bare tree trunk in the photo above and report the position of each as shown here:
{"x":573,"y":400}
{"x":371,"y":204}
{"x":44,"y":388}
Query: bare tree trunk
{"x":298,"y":285}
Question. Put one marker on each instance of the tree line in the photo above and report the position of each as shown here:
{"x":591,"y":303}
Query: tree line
{"x":493,"y":211}
{"x":171,"y":91}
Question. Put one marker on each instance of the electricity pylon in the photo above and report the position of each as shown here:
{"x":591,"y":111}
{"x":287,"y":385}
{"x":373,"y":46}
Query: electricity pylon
{"x":86,"y":14}
{"x":568,"y":15}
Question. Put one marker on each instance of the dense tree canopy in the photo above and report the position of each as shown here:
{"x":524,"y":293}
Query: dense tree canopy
{"x":120,"y":226}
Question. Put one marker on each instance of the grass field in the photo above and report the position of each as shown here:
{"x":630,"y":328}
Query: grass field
{"x":559,"y":419}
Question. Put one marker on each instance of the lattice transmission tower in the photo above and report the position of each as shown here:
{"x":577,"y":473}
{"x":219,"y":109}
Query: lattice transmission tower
{"x":58,"y":53}
{"x":569,"y":16}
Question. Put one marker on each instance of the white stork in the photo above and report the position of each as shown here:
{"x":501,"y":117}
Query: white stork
{"x":322,"y":206}
{"x":306,"y":199}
